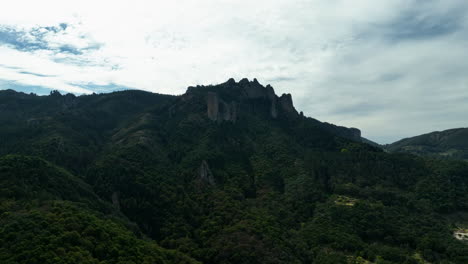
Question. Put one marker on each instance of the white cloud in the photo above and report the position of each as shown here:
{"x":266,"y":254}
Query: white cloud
{"x":392,"y":68}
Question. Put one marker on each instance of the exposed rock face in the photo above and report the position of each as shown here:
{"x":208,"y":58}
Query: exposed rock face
{"x":205,"y":174}
{"x":355,"y":134}
{"x":219,"y":110}
{"x":228,"y":100}
{"x":244,"y":91}
{"x":212,"y":102}
{"x":461,"y":234}
{"x":286,"y":104}
{"x":273,"y":100}
{"x":229,"y":111}
{"x":253,"y":90}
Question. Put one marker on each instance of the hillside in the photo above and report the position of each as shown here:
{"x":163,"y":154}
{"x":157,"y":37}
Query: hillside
{"x":50,"y":216}
{"x":448,"y":144}
{"x":228,"y":173}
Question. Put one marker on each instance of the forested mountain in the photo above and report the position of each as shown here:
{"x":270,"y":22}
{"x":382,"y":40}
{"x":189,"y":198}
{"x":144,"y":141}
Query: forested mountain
{"x":228,"y":173}
{"x":447,"y":144}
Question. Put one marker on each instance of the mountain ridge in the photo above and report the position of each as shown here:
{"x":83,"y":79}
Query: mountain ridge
{"x":236,"y":93}
{"x":450,"y":143}
{"x":229,"y":173}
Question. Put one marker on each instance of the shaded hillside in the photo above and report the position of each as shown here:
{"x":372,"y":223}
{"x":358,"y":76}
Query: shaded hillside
{"x":50,"y":216}
{"x":452,"y":144}
{"x":233,"y":173}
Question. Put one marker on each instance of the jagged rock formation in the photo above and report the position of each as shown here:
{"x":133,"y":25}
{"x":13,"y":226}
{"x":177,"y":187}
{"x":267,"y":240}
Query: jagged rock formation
{"x":205,"y":174}
{"x":286,"y":104}
{"x":253,"y":89}
{"x":225,"y":102}
{"x":273,"y":99}
{"x":229,"y":100}
{"x":218,"y":110}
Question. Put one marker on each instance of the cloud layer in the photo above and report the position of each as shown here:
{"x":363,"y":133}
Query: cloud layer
{"x":393,"y":68}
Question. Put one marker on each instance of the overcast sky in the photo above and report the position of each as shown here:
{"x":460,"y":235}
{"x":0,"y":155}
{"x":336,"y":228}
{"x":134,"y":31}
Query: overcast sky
{"x":393,"y":68}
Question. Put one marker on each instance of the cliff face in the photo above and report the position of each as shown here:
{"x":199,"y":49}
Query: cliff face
{"x":205,"y":174}
{"x":229,"y":100}
{"x":350,"y":133}
{"x":286,"y":104}
{"x":219,"y":110}
{"x":212,"y":105}
{"x":225,"y":101}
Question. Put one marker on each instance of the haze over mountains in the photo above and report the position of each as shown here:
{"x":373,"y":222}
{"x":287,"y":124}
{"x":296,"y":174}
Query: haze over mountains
{"x":228,"y":173}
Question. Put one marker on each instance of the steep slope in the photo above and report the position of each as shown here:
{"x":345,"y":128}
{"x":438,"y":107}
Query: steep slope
{"x":232,"y":173}
{"x":66,"y":129}
{"x":452,"y":144}
{"x":50,"y":216}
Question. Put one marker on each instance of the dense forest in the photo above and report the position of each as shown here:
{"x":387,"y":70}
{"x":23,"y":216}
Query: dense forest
{"x":229,"y":173}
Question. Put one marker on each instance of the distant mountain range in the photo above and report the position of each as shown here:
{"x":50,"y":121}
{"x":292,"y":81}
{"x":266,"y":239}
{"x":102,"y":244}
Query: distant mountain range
{"x":449,"y":144}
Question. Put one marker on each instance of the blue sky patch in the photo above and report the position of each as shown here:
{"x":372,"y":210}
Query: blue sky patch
{"x":39,"y":90}
{"x":36,"y":39}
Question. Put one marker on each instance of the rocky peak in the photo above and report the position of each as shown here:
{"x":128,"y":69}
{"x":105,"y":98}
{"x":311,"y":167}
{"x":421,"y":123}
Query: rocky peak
{"x":286,"y":104}
{"x":231,"y":81}
{"x":254,"y":89}
{"x":227,"y":101}
{"x":355,"y":134}
{"x":224,"y":101}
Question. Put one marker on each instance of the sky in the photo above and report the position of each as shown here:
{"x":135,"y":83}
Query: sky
{"x":392,"y":68}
